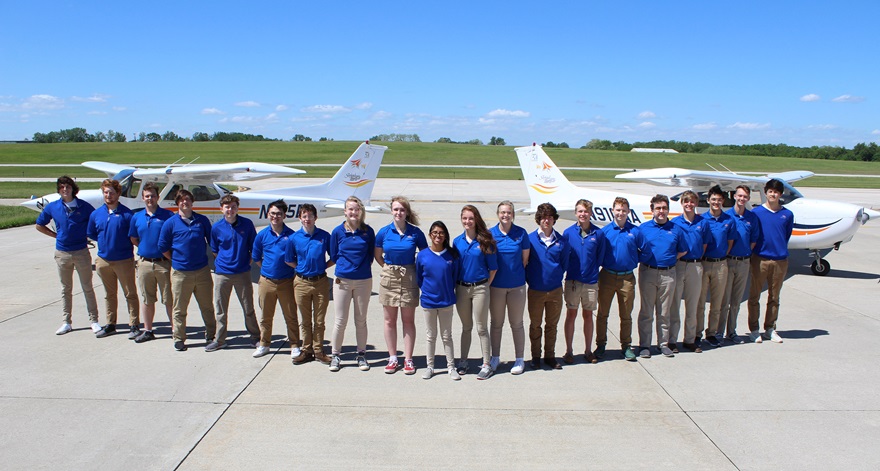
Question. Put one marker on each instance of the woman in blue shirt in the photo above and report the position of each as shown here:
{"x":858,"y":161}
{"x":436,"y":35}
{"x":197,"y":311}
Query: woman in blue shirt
{"x":479,"y":262}
{"x":395,"y":252}
{"x":508,"y":289}
{"x":436,"y":271}
{"x":351,"y":249}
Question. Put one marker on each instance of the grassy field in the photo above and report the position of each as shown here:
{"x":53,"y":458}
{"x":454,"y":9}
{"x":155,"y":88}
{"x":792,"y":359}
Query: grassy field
{"x":14,"y":216}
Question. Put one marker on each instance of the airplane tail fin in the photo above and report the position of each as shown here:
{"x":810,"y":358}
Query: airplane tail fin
{"x":356,"y":177}
{"x":544,"y":180}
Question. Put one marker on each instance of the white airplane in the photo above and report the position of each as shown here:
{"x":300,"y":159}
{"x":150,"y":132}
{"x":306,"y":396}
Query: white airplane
{"x":356,"y":177}
{"x":818,"y":224}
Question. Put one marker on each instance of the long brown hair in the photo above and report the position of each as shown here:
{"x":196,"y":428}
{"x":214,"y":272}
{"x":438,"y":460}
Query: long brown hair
{"x":484,"y":237}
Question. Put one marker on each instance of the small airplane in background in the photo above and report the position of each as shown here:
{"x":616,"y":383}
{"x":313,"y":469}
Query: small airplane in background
{"x":356,"y":177}
{"x":818,"y":224}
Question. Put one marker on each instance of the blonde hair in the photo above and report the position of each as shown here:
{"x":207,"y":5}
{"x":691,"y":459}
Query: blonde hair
{"x":411,"y":216}
{"x":361,"y":224}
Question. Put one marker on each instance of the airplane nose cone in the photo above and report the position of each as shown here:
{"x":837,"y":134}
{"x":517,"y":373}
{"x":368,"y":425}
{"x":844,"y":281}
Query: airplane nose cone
{"x":869,"y":214}
{"x":35,"y":204}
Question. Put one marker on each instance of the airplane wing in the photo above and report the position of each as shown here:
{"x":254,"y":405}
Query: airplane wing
{"x":701,"y":181}
{"x":237,"y":172}
{"x":369,"y":209}
{"x":106,"y":167}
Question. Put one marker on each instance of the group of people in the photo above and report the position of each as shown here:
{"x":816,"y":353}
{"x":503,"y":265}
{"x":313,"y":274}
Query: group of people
{"x":486,"y":275}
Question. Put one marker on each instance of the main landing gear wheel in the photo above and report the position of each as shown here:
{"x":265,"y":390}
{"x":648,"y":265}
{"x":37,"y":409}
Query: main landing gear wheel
{"x":820,"y":267}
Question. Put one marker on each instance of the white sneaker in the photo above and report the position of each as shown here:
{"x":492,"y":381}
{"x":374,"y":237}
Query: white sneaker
{"x":772,"y":336}
{"x":429,"y":373}
{"x":454,"y":374}
{"x":96,"y":327}
{"x":261,"y":351}
{"x":494,"y":362}
{"x":518,"y":367}
{"x":295,"y":352}
{"x":755,"y":336}
{"x":65,"y":328}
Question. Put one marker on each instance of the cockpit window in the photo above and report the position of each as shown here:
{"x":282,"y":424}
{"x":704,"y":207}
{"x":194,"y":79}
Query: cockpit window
{"x":204,"y":193}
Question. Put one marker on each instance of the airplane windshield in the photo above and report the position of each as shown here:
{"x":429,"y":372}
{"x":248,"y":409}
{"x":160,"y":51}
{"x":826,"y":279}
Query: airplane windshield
{"x":789,"y":194}
{"x":130,"y":185}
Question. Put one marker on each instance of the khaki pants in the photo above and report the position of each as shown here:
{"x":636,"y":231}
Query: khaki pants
{"x":773,"y":273}
{"x":81,"y":261}
{"x":244,"y":291}
{"x":714,"y":284}
{"x":345,"y":293}
{"x":541,"y":302}
{"x":184,"y":284}
{"x":656,"y":289}
{"x":152,"y":275}
{"x":120,"y":272}
{"x":272,"y":292}
{"x":312,"y":298}
{"x":472,"y":304}
{"x":624,"y":286}
{"x":737,"y":279}
{"x":443,"y":317}
{"x":513,"y":301}
{"x":688,"y":285}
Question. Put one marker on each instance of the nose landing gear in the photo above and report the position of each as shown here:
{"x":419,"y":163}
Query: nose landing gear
{"x":820,"y":266}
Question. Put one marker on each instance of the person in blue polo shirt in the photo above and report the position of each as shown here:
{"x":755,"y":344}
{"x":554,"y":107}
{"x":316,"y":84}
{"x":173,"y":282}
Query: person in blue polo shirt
{"x":436,"y":272}
{"x":479,"y":263}
{"x":507,"y":292}
{"x":548,"y":260}
{"x":688,"y":274}
{"x":587,"y":242}
{"x":184,"y":240}
{"x":308,"y":253}
{"x":722,"y":229}
{"x":769,"y":262}
{"x":352,"y":248}
{"x":153,"y":269}
{"x":616,"y":278}
{"x":71,"y":216}
{"x":661,"y":244}
{"x":109,"y":226}
{"x":748,"y":229}
{"x":232,"y":239}
{"x":276,"y":280}
{"x":395,"y":252}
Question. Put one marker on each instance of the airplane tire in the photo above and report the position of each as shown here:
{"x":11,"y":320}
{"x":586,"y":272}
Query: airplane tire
{"x":820,"y":267}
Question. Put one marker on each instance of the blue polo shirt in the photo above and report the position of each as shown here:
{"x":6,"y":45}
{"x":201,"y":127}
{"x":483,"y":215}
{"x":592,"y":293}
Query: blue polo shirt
{"x":511,"y":271}
{"x":748,"y":229}
{"x":621,"y":247}
{"x":775,"y":232}
{"x":586,"y":254}
{"x":436,"y":275}
{"x":722,"y":230}
{"x":146,"y":228}
{"x":110,"y":230}
{"x":475,"y":265}
{"x":352,"y":252}
{"x":309,"y":252}
{"x":400,"y":249}
{"x":547,"y":264}
{"x":659,"y":244}
{"x":232,"y":245}
{"x":187,"y":241}
{"x":70,"y":223}
{"x":270,"y":249}
{"x":696,"y":235}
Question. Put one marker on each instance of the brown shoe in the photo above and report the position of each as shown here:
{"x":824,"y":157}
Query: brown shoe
{"x":691,"y":347}
{"x":590,"y":357}
{"x":568,"y":358}
{"x":323,"y":358}
{"x":673,"y":346}
{"x":303,"y":357}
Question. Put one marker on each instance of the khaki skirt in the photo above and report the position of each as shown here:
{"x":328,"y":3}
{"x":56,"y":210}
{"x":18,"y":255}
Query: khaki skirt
{"x":397,"y":286}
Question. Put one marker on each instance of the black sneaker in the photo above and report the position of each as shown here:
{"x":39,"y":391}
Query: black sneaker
{"x":180,"y":346}
{"x":133,"y":332}
{"x":106,"y":331}
{"x":713,"y":341}
{"x":145,"y":336}
{"x":535,"y":363}
{"x":600,"y":351}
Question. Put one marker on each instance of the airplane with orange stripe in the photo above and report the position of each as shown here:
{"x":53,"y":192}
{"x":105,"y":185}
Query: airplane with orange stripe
{"x":819,"y":225}
{"x":355,"y":177}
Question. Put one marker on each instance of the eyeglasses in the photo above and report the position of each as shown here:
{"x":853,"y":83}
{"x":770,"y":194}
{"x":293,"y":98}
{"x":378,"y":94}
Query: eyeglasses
{"x":437,"y":233}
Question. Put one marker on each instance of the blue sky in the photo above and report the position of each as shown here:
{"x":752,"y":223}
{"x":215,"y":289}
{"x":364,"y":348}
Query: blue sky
{"x":802,"y":73}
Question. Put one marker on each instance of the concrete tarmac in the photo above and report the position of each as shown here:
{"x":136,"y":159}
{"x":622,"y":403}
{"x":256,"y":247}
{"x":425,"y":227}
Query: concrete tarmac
{"x":77,"y":402}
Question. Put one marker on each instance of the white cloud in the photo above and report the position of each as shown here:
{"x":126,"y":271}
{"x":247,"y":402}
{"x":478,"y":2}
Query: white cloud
{"x":647,"y":115}
{"x":705,"y":126}
{"x":848,"y":99}
{"x":97,"y":113}
{"x":281,"y":108}
{"x":326,"y":109}
{"x":363,"y":106}
{"x":501,"y":113}
{"x":42,"y":102}
{"x":811,"y":97}
{"x":247,"y":104}
{"x":822,"y":127}
{"x":749,"y":126}
{"x":647,"y":125}
{"x":380,"y":115}
{"x":96,"y":98}
{"x":876,"y":132}
{"x":119,"y":108}
{"x":212,"y":111}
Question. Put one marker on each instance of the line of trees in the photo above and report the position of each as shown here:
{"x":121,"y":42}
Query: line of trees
{"x":78,"y":135}
{"x":396,"y":138}
{"x":865,"y":152}
{"x":82,"y":135}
